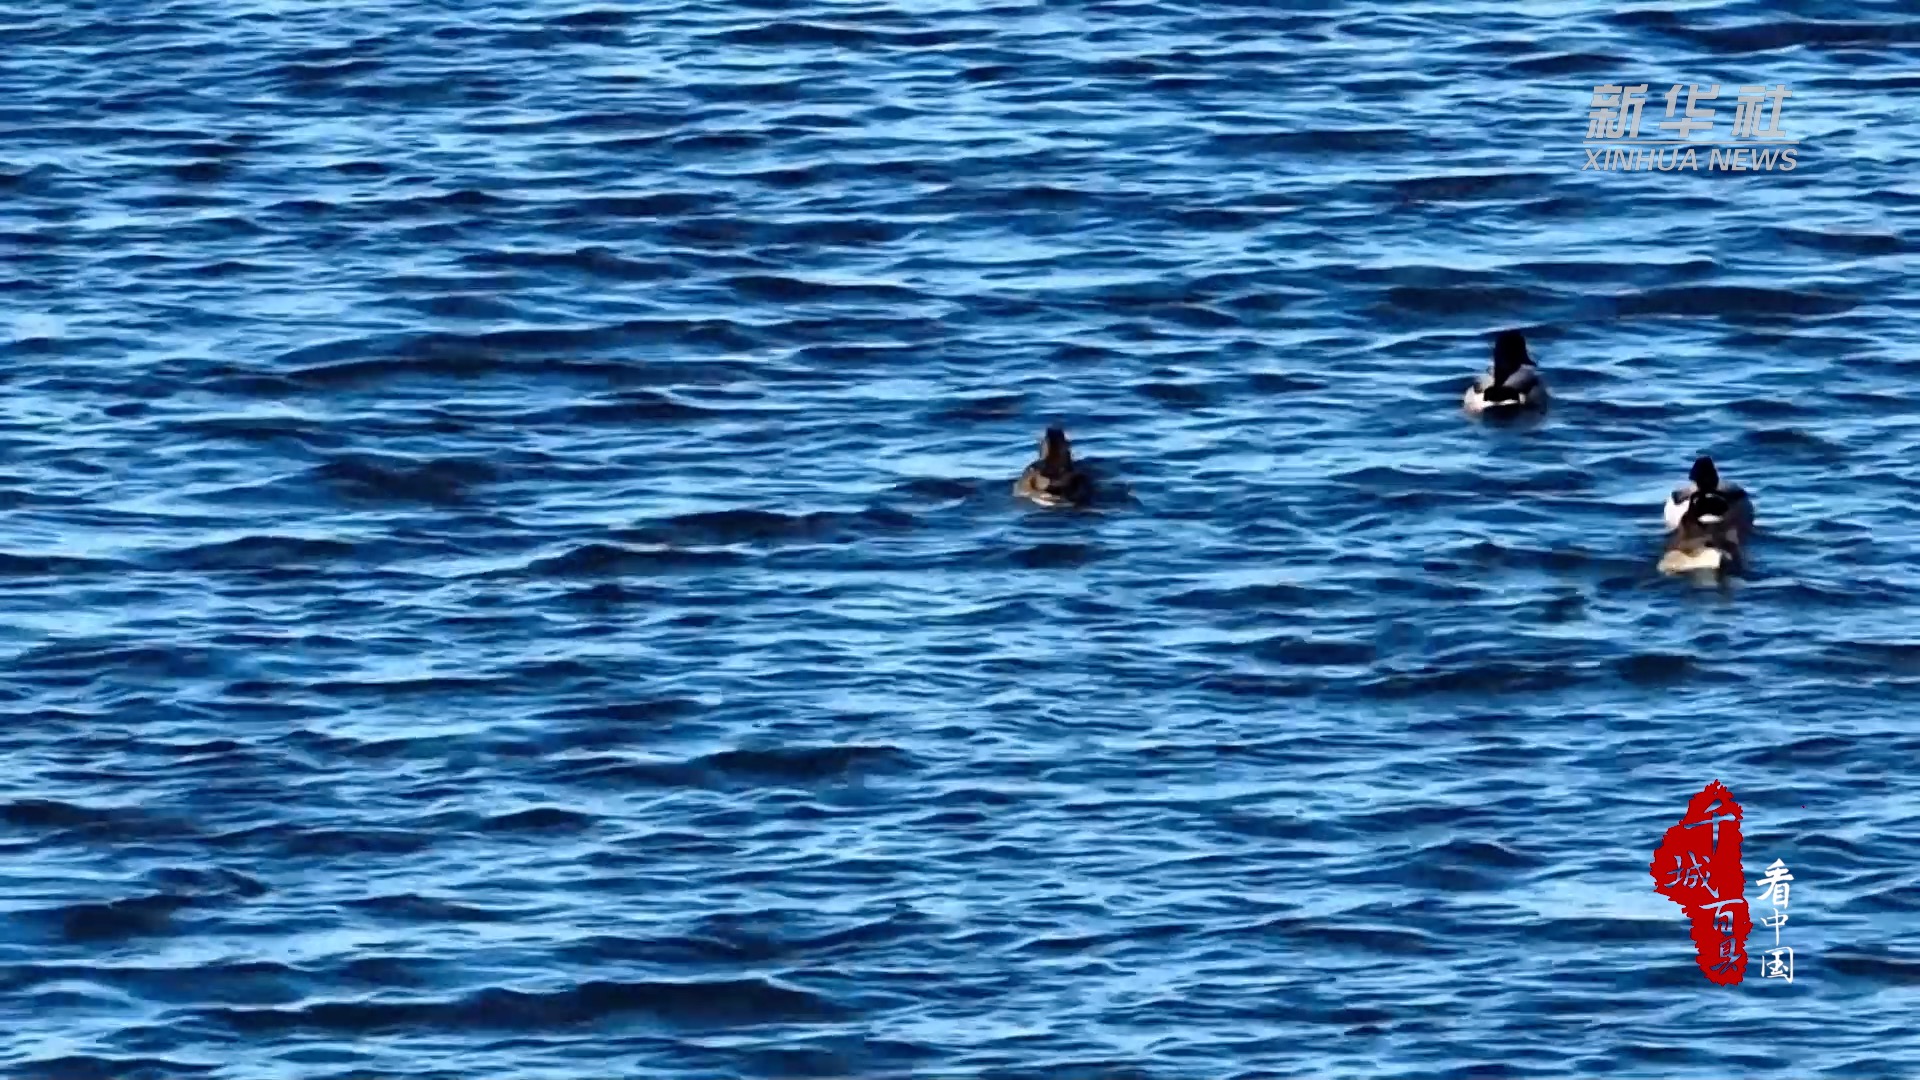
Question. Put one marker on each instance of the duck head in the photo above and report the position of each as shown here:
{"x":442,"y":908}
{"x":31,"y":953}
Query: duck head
{"x":1704,"y":476}
{"x":1056,"y":456}
{"x":1509,"y":354}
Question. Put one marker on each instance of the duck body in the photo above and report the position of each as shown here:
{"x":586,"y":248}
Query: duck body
{"x":1068,"y":490}
{"x":1706,"y":538}
{"x":1512,"y":385}
{"x":1704,"y":480}
{"x":1053,"y":479}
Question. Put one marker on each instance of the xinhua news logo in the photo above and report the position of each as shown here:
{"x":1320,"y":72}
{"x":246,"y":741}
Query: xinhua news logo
{"x":1755,"y":142}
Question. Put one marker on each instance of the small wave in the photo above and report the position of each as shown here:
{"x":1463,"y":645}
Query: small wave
{"x":1479,"y":301}
{"x":627,"y":407}
{"x":622,"y":772}
{"x":1453,"y":867}
{"x":719,"y":144}
{"x":422,"y":686}
{"x":983,"y":407}
{"x":32,"y":566}
{"x":1485,"y":678}
{"x":1765,"y":408}
{"x":1306,"y":652}
{"x":1797,"y":441}
{"x":1654,"y":669}
{"x":663,"y":204}
{"x":297,"y":841}
{"x":51,"y":813}
{"x":116,"y":920}
{"x":264,"y":431}
{"x":1883,"y":968}
{"x":767,"y":527}
{"x":592,"y":262}
{"x":91,"y":1066}
{"x":805,"y":764}
{"x":789,"y":290}
{"x":731,"y":1003}
{"x":542,"y":819}
{"x":590,"y":560}
{"x":444,"y":482}
{"x":329,"y":72}
{"x":205,"y":882}
{"x":1182,"y":395}
{"x":91,"y":657}
{"x":1264,"y":597}
{"x":266,"y":553}
{"x":936,"y":488}
{"x":1471,"y":187}
{"x":599,"y":18}
{"x":356,"y":362}
{"x":386,"y":972}
{"x":1324,"y":142}
{"x":628,"y":712}
{"x":791,"y":33}
{"x":738,"y":526}
{"x":413,"y":908}
{"x":1572,"y":63}
{"x":1275,"y":382}
{"x":1762,"y":37}
{"x":1810,"y":752}
{"x":1842,"y":243}
{"x":104,"y":825}
{"x":1885,"y":656}
{"x":1053,"y":556}
{"x":1730,"y":301}
{"x":1378,"y":939}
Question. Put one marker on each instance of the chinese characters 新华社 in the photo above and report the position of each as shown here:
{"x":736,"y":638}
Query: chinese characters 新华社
{"x":1616,"y":113}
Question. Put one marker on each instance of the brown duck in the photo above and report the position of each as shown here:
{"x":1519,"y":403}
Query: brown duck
{"x":1052,"y":480}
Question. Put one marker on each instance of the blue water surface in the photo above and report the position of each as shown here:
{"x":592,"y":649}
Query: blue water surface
{"x":509,"y":567}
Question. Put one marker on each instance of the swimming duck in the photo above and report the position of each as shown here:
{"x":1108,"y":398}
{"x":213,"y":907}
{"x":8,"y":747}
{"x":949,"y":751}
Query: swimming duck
{"x":1705,"y":538}
{"x":1513,"y":384}
{"x":1705,"y":480}
{"x":1052,"y":480}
